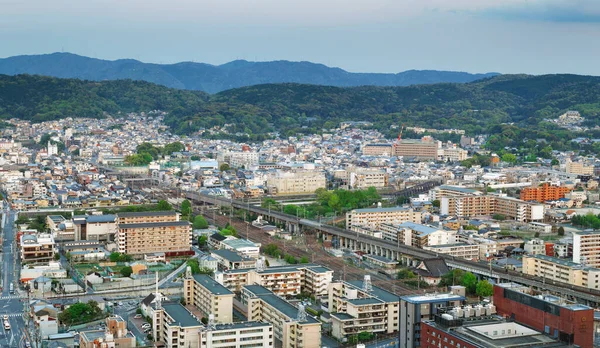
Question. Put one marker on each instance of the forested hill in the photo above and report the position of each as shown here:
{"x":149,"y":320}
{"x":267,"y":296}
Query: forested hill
{"x":291,"y":108}
{"x":216,"y":78}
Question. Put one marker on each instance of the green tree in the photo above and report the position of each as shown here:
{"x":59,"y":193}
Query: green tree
{"x":56,"y":256}
{"x":200,"y":222}
{"x":126,"y":271}
{"x":484,"y":289}
{"x":561,"y":231}
{"x":509,"y":158}
{"x":304,"y":259}
{"x":202,"y":241}
{"x":499,"y":217}
{"x":554,"y":162}
{"x":163,"y":205}
{"x":406,"y":273}
{"x":224,"y":167}
{"x":436,"y":203}
{"x":186,"y":207}
{"x":469,"y":281}
{"x":80,"y":312}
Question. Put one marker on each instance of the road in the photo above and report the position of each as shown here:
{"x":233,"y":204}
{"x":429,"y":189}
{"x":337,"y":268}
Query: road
{"x":10,"y":304}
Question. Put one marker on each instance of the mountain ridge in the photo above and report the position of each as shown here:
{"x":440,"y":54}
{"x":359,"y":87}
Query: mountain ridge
{"x":216,"y":78}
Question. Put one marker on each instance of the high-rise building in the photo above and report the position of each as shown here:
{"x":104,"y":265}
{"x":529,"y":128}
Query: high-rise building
{"x":172,"y":238}
{"x":543,"y":193}
{"x":511,"y":208}
{"x":374,"y":217}
{"x":586,"y":248}
{"x":209,"y":296}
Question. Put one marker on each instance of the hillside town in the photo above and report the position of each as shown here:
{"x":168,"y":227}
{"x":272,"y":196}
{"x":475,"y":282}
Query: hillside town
{"x":118,"y":233}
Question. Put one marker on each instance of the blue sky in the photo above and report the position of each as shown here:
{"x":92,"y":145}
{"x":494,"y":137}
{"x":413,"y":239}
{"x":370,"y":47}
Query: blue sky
{"x":508,"y":36}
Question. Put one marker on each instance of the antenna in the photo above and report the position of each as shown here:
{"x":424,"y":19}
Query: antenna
{"x":367,"y":286}
{"x":157,"y":293}
{"x":301,"y":313}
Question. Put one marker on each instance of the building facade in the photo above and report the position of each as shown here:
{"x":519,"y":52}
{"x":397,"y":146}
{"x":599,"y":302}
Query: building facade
{"x":172,"y":238}
{"x":586,"y":248}
{"x":297,"y":182}
{"x":212,"y":298}
{"x":543,"y":193}
{"x":374,"y":217}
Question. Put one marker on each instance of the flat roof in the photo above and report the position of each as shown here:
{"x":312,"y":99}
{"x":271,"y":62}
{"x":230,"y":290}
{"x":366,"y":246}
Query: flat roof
{"x":432,"y":298}
{"x":422,"y":229}
{"x":376,"y":291}
{"x":563,"y":262}
{"x":379,"y":210}
{"x":342,"y":316}
{"x":146,"y":213}
{"x":365,"y":301}
{"x":241,"y":325}
{"x":285,"y":307}
{"x":228,"y":255}
{"x":458,"y":188}
{"x":257,"y":289}
{"x":155,"y":224}
{"x":181,"y":316}
{"x":211,"y":285}
{"x":101,"y":218}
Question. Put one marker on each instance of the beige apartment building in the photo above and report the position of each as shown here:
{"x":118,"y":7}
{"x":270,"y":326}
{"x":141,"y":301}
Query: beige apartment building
{"x":355,"y":308}
{"x":147,"y":216}
{"x":586,"y":248}
{"x":512,"y":208}
{"x":289,"y":280}
{"x":579,"y":168}
{"x":378,"y":150}
{"x":246,"y":334}
{"x":561,"y":270}
{"x":171,"y":237}
{"x":363,"y":178}
{"x":374,"y":217}
{"x":452,"y":191}
{"x":291,"y":325}
{"x":209,"y":296}
{"x":452,"y":154}
{"x":297,"y":182}
{"x":419,"y":148}
{"x":462,"y":250}
{"x":37,"y":248}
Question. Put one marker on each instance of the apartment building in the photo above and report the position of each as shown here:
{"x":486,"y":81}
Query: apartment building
{"x":452,"y":154}
{"x":115,"y":335}
{"x":296,"y":182}
{"x":512,"y":208}
{"x":561,"y":270}
{"x":578,"y":168}
{"x":244,"y":334}
{"x":543,"y":193}
{"x":415,"y":309}
{"x":209,"y":296}
{"x":37,"y":248}
{"x":171,"y":238}
{"x":289,"y":280}
{"x":363,"y":178}
{"x":374,"y":217}
{"x":147,"y":217}
{"x":462,"y":250}
{"x":422,"y":149}
{"x":240,"y":159}
{"x":535,"y":247}
{"x":95,"y":227}
{"x":291,"y":326}
{"x":586,"y":248}
{"x":378,"y":149}
{"x":173,"y":326}
{"x":357,"y":306}
{"x":413,"y":234}
{"x":452,"y":191}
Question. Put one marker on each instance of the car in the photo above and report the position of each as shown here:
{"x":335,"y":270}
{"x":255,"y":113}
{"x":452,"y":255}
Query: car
{"x":144,"y":326}
{"x":137,"y":316}
{"x":5,"y":317}
{"x":119,"y":303}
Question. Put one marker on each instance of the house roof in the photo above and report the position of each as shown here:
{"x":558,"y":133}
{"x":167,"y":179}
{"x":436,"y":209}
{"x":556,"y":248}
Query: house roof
{"x":436,"y":267}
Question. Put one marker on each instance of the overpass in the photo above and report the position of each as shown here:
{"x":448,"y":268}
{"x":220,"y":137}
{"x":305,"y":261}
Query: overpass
{"x":407,"y":255}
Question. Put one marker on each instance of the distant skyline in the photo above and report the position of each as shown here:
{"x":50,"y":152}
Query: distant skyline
{"x":506,"y":36}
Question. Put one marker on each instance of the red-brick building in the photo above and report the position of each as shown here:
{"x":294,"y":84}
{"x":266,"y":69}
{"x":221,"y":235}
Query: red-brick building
{"x":570,"y":323}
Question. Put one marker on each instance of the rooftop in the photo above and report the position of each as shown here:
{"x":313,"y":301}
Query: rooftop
{"x":422,"y":229}
{"x":380,"y":210}
{"x":241,"y":325}
{"x":376,"y":292}
{"x":431,"y":298}
{"x":146,"y":213}
{"x":181,"y":316}
{"x":155,"y":224}
{"x":285,"y":307}
{"x":211,"y":285}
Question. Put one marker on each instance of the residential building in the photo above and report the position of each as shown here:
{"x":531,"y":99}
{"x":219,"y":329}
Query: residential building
{"x":414,"y":309}
{"x":561,"y":270}
{"x":172,"y":238}
{"x":244,"y":334}
{"x":535,"y":246}
{"x":374,"y":217}
{"x":229,"y":260}
{"x":452,"y":154}
{"x":452,"y":191}
{"x":414,"y":234}
{"x":476,"y":205}
{"x":240,"y":159}
{"x":289,"y":280}
{"x":147,"y":217}
{"x":540,"y":227}
{"x":95,"y":227}
{"x":243,"y":247}
{"x":543,"y":193}
{"x":579,"y":168}
{"x":37,"y":248}
{"x":363,"y":178}
{"x":462,"y":250}
{"x":422,"y":149}
{"x":357,"y":306}
{"x":209,"y":296}
{"x":173,"y":326}
{"x":296,"y":182}
{"x":291,"y":325}
{"x":115,"y":335}
{"x":586,"y":248}
{"x":571,"y":323}
{"x":378,"y":150}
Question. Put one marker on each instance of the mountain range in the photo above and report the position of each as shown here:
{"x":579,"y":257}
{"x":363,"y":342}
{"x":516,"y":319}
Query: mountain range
{"x":215,"y":78}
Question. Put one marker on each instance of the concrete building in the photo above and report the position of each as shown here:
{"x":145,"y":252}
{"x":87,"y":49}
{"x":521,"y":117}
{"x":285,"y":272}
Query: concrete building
{"x":374,"y":217}
{"x":291,"y":325}
{"x":172,"y":238}
{"x":363,"y":178}
{"x":209,"y":296}
{"x":543,"y":193}
{"x":243,"y":247}
{"x":477,"y":205}
{"x":570,"y":323}
{"x":452,"y":191}
{"x":289,"y":280}
{"x":244,"y":159}
{"x":296,"y":182}
{"x":452,"y":154}
{"x":238,"y":335}
{"x":540,"y":227}
{"x":561,"y":270}
{"x":174,"y":326}
{"x":422,"y":149}
{"x":147,"y":217}
{"x":586,"y":248}
{"x":462,"y":250}
{"x":95,"y":227}
{"x":115,"y":335}
{"x":415,"y":309}
{"x":378,"y":149}
{"x":578,"y":168}
{"x":414,"y":234}
{"x":535,"y":247}
{"x":357,"y":306}
{"x":37,"y":248}
{"x":229,"y":260}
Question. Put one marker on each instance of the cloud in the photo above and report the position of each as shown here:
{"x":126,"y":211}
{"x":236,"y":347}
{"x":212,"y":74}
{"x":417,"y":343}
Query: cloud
{"x":560,"y":11}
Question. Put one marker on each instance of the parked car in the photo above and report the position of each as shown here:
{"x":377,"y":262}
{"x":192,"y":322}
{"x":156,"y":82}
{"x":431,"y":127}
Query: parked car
{"x":137,"y":316}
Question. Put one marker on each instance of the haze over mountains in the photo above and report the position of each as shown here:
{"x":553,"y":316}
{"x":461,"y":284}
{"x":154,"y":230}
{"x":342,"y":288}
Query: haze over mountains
{"x":216,"y":78}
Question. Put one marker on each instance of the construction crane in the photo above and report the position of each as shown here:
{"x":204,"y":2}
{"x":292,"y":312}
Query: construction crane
{"x":400,"y":134}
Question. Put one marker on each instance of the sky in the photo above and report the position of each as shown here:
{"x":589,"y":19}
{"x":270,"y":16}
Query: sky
{"x":507,"y":36}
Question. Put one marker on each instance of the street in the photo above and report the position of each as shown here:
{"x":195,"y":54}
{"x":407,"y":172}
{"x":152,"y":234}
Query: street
{"x":10,"y":304}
